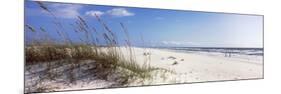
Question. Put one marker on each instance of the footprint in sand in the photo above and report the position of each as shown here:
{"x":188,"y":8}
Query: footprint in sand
{"x":172,"y":57}
{"x":182,"y":59}
{"x":175,"y":63}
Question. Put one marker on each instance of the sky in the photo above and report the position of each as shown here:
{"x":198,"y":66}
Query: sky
{"x":153,"y":27}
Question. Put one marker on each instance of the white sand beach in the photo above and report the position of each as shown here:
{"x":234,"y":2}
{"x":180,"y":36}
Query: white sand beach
{"x":94,"y":51}
{"x":185,"y":67}
{"x":192,"y":67}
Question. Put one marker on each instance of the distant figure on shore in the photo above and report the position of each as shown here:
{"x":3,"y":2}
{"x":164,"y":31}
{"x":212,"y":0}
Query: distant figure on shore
{"x":227,"y":53}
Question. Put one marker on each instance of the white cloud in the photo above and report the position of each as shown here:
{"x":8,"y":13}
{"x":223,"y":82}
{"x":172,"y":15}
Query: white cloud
{"x":159,"y":18}
{"x":179,"y":43}
{"x":65,"y":10}
{"x":93,"y":13}
{"x":171,"y":43}
{"x":119,"y":12}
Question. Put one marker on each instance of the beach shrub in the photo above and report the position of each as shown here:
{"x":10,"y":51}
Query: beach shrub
{"x":109,"y":63}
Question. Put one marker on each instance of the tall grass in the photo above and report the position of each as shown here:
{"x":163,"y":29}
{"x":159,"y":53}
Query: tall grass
{"x":108,"y":59}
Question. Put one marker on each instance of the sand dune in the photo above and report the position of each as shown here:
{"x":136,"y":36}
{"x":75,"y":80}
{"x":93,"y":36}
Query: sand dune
{"x":185,"y":67}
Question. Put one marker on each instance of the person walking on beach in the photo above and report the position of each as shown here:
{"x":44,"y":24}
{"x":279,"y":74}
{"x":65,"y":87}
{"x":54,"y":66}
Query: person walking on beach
{"x":227,"y":53}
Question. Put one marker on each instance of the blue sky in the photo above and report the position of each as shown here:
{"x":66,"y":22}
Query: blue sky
{"x":158,"y":27}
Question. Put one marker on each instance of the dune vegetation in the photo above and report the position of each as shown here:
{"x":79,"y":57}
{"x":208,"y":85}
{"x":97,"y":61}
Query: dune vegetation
{"x":70,"y":61}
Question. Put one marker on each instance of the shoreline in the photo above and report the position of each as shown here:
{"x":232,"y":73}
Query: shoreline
{"x":200,"y":67}
{"x":184,"y":67}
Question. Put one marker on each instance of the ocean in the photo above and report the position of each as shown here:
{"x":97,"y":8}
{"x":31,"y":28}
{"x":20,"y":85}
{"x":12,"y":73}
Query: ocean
{"x":233,"y":51}
{"x":255,"y":54}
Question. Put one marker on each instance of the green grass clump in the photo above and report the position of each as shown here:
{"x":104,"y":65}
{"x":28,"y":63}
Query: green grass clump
{"x":108,"y":58}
